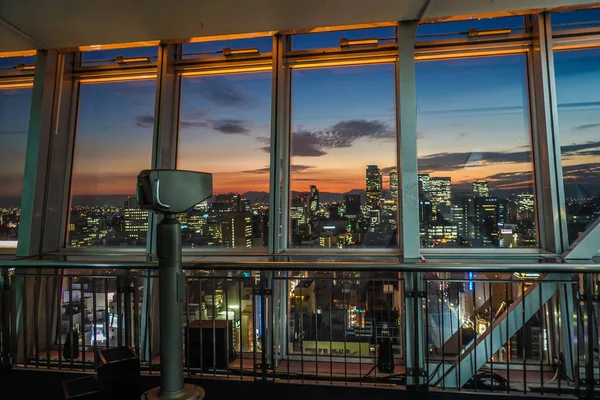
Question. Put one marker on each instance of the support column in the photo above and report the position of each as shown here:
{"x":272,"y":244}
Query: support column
{"x":406,"y":103}
{"x":550,"y":198}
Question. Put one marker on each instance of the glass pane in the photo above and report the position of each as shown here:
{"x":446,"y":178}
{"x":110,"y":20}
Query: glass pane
{"x":459,"y":29}
{"x":9,"y":64}
{"x":113,"y":144}
{"x":14,"y":121}
{"x":343,"y":158}
{"x":321,"y":40}
{"x":475,"y":156}
{"x":578,"y":96}
{"x":101,"y":57}
{"x":224,"y":129}
{"x":215,"y":48}
{"x":576,"y":19}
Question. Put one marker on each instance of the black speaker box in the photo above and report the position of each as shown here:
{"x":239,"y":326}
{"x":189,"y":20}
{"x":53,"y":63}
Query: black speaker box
{"x":118,"y":372}
{"x":85,"y":388}
{"x":206,"y":347}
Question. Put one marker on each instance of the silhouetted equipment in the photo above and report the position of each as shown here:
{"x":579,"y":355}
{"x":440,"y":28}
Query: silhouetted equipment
{"x":71,"y":345}
{"x":385,"y":357}
{"x":118,"y":371}
{"x":85,"y":388}
{"x":211,"y":348}
{"x":171,"y":192}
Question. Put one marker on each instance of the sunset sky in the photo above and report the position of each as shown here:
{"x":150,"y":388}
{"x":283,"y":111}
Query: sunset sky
{"x":472,"y":125}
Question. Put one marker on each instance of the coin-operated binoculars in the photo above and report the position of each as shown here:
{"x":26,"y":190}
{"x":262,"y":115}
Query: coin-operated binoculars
{"x":171,"y":192}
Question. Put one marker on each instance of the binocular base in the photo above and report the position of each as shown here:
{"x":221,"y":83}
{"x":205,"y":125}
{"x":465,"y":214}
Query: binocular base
{"x":189,"y":392}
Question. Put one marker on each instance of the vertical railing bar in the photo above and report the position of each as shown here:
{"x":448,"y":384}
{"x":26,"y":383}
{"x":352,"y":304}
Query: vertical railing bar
{"x":120,"y":311}
{"x":443,"y":341}
{"x":347,"y":307}
{"x":24,"y":322}
{"x":36,"y":315}
{"x":254,"y":338}
{"x":107,"y":325}
{"x":316,"y":334}
{"x":59,"y":320}
{"x":360,"y":375}
{"x":214,"y":328}
{"x":287,"y":283}
{"x":71,"y":330}
{"x":541,"y":339}
{"x":82,"y":323}
{"x":241,"y":348}
{"x":273,"y":320}
{"x":524,"y":337}
{"x":301,"y":330}
{"x":136,"y":315}
{"x":427,"y":343}
{"x":149,"y":319}
{"x":474,"y":370}
{"x":187,"y":325}
{"x":201,"y":332}
{"x":507,"y":340}
{"x":227,"y":344}
{"x":559,"y":324}
{"x":331,"y":331}
{"x":491,"y":314}
{"x":459,"y":326}
{"x":94,"y":319}
{"x":48,"y":328}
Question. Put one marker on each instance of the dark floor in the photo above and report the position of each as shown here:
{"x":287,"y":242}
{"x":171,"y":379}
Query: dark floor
{"x":20,"y":384}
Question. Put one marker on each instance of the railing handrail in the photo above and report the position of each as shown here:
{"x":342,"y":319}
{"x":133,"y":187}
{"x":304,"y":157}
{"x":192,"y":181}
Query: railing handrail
{"x":355,"y":266}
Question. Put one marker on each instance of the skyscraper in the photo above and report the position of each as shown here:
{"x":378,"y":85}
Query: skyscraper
{"x":313,"y":201}
{"x":237,"y":230}
{"x":394,"y":184}
{"x":481,"y":189}
{"x":135,"y":220}
{"x":352,"y":205}
{"x":440,"y":192}
{"x":374,"y":186}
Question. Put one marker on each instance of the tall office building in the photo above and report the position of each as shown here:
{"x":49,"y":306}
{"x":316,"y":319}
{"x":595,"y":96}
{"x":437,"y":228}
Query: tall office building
{"x":524,"y":204}
{"x":394,"y":185}
{"x":440,"y":192}
{"x":135,"y":220}
{"x":313,"y":205}
{"x":374,"y":187}
{"x":352,"y":205}
{"x":481,"y":189}
{"x":237,"y":230}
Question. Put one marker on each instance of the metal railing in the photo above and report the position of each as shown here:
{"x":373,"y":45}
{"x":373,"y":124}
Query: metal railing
{"x":485,"y":327}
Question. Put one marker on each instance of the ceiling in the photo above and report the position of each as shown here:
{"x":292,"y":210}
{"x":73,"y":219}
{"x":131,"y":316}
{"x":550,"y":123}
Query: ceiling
{"x":71,"y":23}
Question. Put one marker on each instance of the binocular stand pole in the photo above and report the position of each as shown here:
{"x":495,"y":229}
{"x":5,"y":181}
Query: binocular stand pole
{"x":172,"y":291}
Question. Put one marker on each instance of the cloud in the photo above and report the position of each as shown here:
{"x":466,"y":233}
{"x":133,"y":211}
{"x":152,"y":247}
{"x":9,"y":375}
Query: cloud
{"x":230,"y":126}
{"x":145,"y":121}
{"x":586,"y":127}
{"x":313,"y":143}
{"x":575,"y":149}
{"x":295,"y":168}
{"x":454,"y":161}
{"x":221,"y":92}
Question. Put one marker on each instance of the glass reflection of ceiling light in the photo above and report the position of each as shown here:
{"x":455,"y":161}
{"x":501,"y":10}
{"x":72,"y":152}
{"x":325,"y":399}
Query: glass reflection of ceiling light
{"x":24,"y":68}
{"x":239,"y":52}
{"x":123,"y":60}
{"x":344,"y":42}
{"x":473,"y":32}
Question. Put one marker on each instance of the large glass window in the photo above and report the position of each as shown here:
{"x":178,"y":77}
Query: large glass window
{"x":475,"y":156}
{"x":578,"y":96}
{"x":471,"y":28}
{"x":343,"y":174}
{"x":14,"y":122}
{"x":310,"y":41}
{"x":112,"y":145}
{"x":224,"y":129}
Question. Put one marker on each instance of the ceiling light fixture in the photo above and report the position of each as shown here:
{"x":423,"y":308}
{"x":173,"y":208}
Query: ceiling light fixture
{"x":344,"y":42}
{"x":239,"y":52}
{"x":473,"y":32}
{"x":123,"y":60}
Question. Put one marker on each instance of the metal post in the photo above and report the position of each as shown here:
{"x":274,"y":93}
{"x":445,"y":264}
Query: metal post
{"x":5,"y":288}
{"x":591,"y":335}
{"x":172,"y":292}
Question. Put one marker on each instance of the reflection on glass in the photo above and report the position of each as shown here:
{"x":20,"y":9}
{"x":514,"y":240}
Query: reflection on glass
{"x":475,"y":156}
{"x":344,"y":315}
{"x":309,"y":41}
{"x":9,"y":64}
{"x":343,"y":173}
{"x":576,"y":20}
{"x":578,"y":97}
{"x":215,"y":48}
{"x":14,"y":122}
{"x":224,"y":129}
{"x":101,"y":57}
{"x":113,"y":144}
{"x":459,"y":29}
